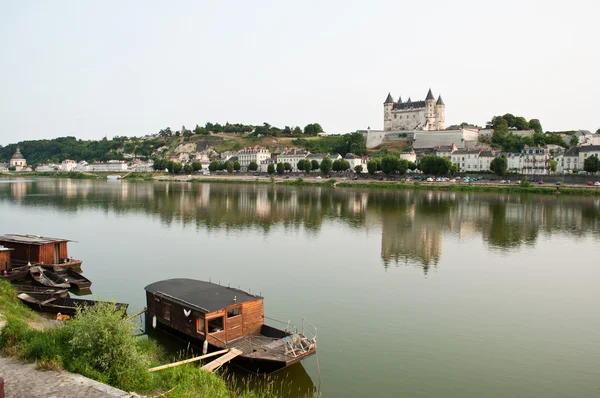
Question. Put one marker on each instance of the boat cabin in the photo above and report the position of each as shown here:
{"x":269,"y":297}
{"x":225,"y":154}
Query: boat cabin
{"x":36,"y":249}
{"x":205,"y":310}
{"x":5,"y":264}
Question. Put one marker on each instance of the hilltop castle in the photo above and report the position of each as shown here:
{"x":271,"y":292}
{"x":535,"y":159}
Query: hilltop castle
{"x":418,"y":115}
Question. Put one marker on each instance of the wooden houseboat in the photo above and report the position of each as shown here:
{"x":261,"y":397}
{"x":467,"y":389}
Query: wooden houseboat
{"x":5,"y":264}
{"x":220,"y":317}
{"x":39,"y":250}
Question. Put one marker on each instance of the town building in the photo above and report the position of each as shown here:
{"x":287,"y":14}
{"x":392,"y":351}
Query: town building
{"x":536,"y":160}
{"x":466,"y":159}
{"x":68,"y":165}
{"x":414,"y":115}
{"x":292,"y":157}
{"x":263,"y":166}
{"x":254,"y":154}
{"x":18,"y":161}
{"x":47,"y":168}
{"x":355,"y":160}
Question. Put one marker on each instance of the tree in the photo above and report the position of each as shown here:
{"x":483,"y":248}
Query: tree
{"x":229,"y":166}
{"x":326,"y":165}
{"x":436,"y":165}
{"x":314,"y":164}
{"x":598,"y":131}
{"x":287,"y":166}
{"x":574,"y":141}
{"x":510,"y":119}
{"x":313,"y":129}
{"x":280,"y":168}
{"x":213,"y":166}
{"x":345,"y":165}
{"x":389,"y":164}
{"x":591,"y":164}
{"x":372,"y":166}
{"x":499,"y":165}
{"x":453,"y":170}
{"x":271,"y":168}
{"x":553,"y":164}
{"x":521,"y":123}
{"x":176,"y":168}
{"x":253,"y":166}
{"x":197,"y":166}
{"x":412,"y":166}
{"x":187,"y":169}
{"x":358,"y":169}
{"x":237,"y":166}
{"x":308,"y":165}
{"x":297,"y":130}
{"x":535,"y":125}
{"x":337,"y":165}
{"x":301,"y":164}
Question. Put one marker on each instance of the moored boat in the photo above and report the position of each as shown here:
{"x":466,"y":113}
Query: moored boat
{"x":19,"y":288}
{"x":224,"y":317}
{"x":48,"y":278}
{"x":39,"y":250}
{"x":75,"y":279}
{"x":63,"y":305}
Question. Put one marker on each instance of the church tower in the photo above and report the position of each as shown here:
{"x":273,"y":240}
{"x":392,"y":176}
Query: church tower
{"x":387,"y":112}
{"x":440,"y":112}
{"x":430,"y":112}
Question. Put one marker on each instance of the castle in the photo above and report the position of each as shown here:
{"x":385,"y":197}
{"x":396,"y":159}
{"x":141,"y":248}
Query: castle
{"x":425,"y":115}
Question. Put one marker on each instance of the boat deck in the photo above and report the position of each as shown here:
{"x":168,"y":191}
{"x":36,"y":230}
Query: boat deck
{"x":269,"y":348}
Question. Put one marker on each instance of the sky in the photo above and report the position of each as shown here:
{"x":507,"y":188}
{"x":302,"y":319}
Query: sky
{"x":105,"y":68}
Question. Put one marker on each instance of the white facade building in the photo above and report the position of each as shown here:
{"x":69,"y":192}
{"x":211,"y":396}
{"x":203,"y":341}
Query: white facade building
{"x":292,"y":157}
{"x":356,"y":160}
{"x":112,"y":166}
{"x":418,"y":115}
{"x":67,"y":165}
{"x":44,"y":168}
{"x":466,"y":159}
{"x":18,"y":160}
{"x":536,"y":160}
{"x":255,"y":154}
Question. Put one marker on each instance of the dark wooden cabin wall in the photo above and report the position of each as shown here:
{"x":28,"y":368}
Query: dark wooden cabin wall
{"x":64,"y":250}
{"x":253,"y":315}
{"x":5,"y":260}
{"x":20,"y":254}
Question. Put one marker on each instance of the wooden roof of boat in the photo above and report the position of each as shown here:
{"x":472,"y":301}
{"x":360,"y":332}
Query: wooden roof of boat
{"x":205,"y":296}
{"x":30,"y":239}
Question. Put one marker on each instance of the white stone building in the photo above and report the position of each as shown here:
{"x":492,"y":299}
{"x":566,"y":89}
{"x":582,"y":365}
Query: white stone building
{"x":264,"y":165}
{"x":320,"y":156}
{"x":587,"y":138}
{"x":67,"y":165}
{"x":356,"y":160}
{"x":485,"y":159}
{"x":419,"y":115}
{"x":112,"y":166}
{"x":45,"y":168}
{"x":18,"y":160}
{"x":466,"y":159}
{"x":536,"y":160}
{"x":409,"y":156}
{"x":292,"y":157}
{"x":255,"y":154}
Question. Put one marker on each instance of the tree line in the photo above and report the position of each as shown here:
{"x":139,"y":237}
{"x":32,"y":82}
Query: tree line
{"x":508,"y":142}
{"x":266,"y":129}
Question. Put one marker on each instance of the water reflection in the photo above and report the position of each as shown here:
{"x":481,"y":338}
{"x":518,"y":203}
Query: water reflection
{"x":413,"y":224}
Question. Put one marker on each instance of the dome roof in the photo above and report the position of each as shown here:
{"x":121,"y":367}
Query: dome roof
{"x":17,"y":155}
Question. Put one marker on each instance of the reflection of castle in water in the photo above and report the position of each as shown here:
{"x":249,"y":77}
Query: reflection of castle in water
{"x":413,"y":224}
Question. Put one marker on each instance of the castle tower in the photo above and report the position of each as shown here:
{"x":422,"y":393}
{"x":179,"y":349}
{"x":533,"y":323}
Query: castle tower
{"x":387,"y":112}
{"x":440,"y":112}
{"x":430,"y":114}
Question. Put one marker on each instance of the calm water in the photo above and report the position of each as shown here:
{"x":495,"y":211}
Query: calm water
{"x":429,"y":294}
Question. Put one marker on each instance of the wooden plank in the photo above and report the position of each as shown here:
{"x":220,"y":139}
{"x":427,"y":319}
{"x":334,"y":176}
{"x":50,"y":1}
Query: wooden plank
{"x":172,"y":365}
{"x":217,"y":363}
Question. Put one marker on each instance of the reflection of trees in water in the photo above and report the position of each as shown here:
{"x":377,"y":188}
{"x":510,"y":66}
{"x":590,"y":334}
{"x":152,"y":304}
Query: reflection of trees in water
{"x":412,"y":222}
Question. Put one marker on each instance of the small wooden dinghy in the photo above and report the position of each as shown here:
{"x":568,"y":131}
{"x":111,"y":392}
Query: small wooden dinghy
{"x":53,"y":304}
{"x":48,"y":278}
{"x":15,"y":274}
{"x":50,"y":291}
{"x":75,"y":279}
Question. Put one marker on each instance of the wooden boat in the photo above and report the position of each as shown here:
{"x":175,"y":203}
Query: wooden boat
{"x":32,"y":289}
{"x":75,"y":279}
{"x":39,"y":250}
{"x":224,"y":317}
{"x":53,"y":304}
{"x":48,"y":278}
{"x":14,"y":274}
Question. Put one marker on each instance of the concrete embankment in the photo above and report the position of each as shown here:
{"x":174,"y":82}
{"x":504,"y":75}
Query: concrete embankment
{"x":24,"y":380}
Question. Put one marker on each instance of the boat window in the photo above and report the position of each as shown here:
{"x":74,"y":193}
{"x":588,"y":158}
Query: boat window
{"x":235,"y":311}
{"x":215,"y":325}
{"x":167,"y":311}
{"x":200,"y":325}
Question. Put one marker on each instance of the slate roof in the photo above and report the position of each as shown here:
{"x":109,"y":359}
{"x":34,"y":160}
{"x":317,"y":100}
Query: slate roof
{"x":17,"y":155}
{"x":487,"y":154}
{"x":429,"y":95}
{"x":205,"y":296}
{"x":572,"y":152}
{"x":410,"y":105}
{"x":30,"y":239}
{"x":389,"y":99}
{"x":440,"y":101}
{"x":589,"y":148}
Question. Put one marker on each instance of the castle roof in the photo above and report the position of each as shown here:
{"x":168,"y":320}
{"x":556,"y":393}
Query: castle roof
{"x":410,"y":105}
{"x":17,"y":155}
{"x":440,"y":101}
{"x":429,"y":95}
{"x":389,"y":99}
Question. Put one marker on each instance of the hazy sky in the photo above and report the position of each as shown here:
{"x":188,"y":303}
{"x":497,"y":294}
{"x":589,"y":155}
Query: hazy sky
{"x":92,"y":69}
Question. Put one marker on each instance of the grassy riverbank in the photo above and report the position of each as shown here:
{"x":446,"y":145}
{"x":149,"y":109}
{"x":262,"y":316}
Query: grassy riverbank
{"x":100,"y":344}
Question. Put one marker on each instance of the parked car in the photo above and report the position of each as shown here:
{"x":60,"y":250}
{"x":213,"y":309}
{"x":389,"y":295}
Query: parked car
{"x":541,"y":182}
{"x":286,"y":177}
{"x":590,"y":183}
{"x":319,"y":177}
{"x":429,"y":179}
{"x":597,"y":183}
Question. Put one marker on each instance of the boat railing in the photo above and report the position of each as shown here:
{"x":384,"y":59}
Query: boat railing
{"x":309,"y":330}
{"x":289,"y":326}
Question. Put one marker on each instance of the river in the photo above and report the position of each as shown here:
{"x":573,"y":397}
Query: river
{"x":414,"y":293}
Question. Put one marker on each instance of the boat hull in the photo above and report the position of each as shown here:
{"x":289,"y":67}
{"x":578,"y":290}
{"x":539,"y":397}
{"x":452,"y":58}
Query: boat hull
{"x":65,"y":306}
{"x":244,"y":362}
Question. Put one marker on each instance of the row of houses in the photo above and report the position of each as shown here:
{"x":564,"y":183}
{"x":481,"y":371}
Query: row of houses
{"x":111,"y":166}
